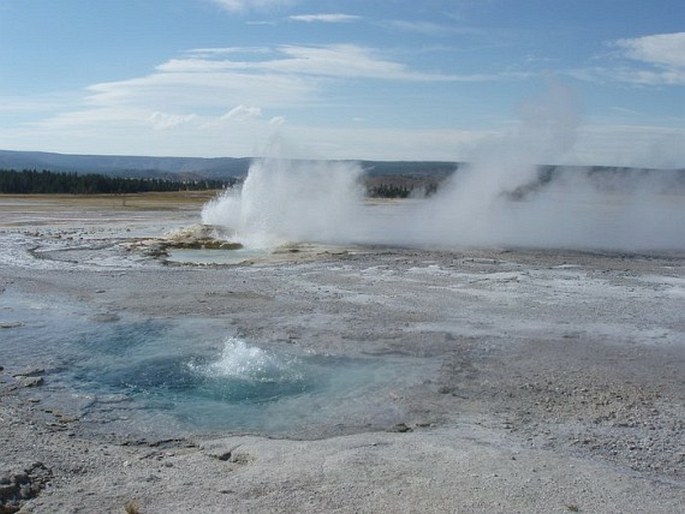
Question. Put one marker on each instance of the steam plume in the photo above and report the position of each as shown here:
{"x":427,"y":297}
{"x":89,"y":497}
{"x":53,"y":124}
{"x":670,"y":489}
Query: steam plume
{"x":502,"y":199}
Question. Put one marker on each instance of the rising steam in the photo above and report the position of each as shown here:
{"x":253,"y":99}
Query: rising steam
{"x":291,"y":201}
{"x":502,"y":198}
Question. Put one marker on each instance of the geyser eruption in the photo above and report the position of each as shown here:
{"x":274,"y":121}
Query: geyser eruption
{"x":290,"y":201}
{"x":503,"y":197}
{"x":474,"y":207}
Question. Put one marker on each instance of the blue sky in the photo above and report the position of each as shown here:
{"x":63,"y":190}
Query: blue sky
{"x":383,"y":79}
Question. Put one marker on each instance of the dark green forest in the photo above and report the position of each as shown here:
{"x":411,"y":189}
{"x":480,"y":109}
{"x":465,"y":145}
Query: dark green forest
{"x":401,"y":191}
{"x":49,"y":182}
{"x":52,"y":182}
{"x":389,"y":191}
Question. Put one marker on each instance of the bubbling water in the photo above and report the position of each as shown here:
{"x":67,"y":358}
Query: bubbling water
{"x":242,"y":362}
{"x":126,"y":375}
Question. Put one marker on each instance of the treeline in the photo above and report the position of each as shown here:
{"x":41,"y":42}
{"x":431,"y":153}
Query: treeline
{"x":50,"y":182}
{"x":399,"y":191}
{"x":388,"y":191}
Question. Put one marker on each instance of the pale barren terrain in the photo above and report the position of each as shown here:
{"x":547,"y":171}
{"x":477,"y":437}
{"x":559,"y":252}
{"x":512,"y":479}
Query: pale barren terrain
{"x":544,"y":381}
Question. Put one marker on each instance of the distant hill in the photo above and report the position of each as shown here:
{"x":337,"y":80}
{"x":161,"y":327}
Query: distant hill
{"x":129,"y":166}
{"x":190,"y":167}
{"x":410,"y":169}
{"x":426,"y":175}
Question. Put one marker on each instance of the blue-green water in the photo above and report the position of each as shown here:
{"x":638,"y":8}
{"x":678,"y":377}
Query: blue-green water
{"x":126,"y":374}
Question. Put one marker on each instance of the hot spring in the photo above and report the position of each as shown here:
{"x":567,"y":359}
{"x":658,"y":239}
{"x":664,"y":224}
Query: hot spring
{"x":166,"y":377}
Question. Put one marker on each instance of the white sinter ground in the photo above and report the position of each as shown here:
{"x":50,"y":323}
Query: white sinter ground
{"x":530,"y":380}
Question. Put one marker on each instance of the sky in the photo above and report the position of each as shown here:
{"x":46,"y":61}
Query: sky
{"x":341,"y":79}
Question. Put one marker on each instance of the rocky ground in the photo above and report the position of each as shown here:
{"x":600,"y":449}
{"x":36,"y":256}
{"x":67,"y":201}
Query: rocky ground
{"x":560,"y":385}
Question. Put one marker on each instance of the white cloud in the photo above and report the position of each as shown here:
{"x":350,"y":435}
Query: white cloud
{"x":341,"y":60}
{"x":164,"y":121}
{"x":96,"y":117}
{"x":242,"y":113}
{"x":325,"y":18}
{"x":180,"y":106}
{"x":261,"y":22}
{"x":264,"y":75}
{"x":252,"y":5}
{"x":230,"y":50}
{"x":667,"y":50}
{"x":202,"y":89}
{"x":199,"y":65}
{"x":664,"y":53}
{"x":672,"y":77}
{"x":429,"y":28}
{"x":338,"y":61}
{"x":654,"y":60}
{"x":344,"y":60}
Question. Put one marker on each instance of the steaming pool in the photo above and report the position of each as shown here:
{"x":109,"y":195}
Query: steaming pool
{"x":167,"y":377}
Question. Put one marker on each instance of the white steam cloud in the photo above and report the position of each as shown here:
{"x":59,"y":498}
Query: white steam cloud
{"x":502,"y":199}
{"x":285,"y":200}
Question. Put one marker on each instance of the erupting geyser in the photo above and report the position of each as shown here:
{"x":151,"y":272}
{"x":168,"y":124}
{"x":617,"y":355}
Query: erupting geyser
{"x":501,"y":198}
{"x":284,"y":200}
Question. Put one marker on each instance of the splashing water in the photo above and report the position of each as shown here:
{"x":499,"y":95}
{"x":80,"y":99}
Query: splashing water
{"x":243,"y":373}
{"x":239,"y":361}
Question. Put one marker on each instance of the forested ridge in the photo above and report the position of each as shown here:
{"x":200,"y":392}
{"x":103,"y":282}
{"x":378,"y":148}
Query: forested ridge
{"x":50,"y":182}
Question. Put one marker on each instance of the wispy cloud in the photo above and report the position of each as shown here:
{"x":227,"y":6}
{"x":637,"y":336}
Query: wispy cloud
{"x":237,"y":6}
{"x":655,"y":60}
{"x":344,"y":60}
{"x":205,"y":93}
{"x":202,"y":85}
{"x":242,"y":113}
{"x":341,"y":61}
{"x":673,"y":77}
{"x":230,"y":50}
{"x":164,"y":121}
{"x":330,"y":60}
{"x":429,"y":28}
{"x":624,"y":111}
{"x":663,"y":53}
{"x":37,"y":103}
{"x":667,"y":50}
{"x":232,"y":88}
{"x":325,"y":18}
